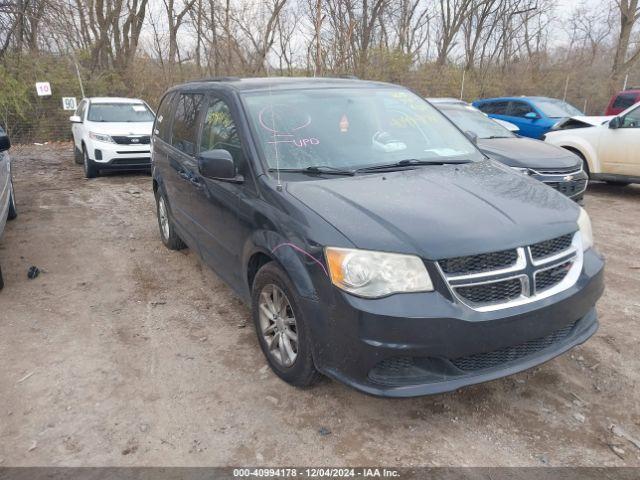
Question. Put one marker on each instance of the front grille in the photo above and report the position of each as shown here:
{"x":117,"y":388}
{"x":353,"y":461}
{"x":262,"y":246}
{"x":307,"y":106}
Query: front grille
{"x":478,"y":263}
{"x":132,"y":139}
{"x":495,"y":292}
{"x":548,"y":278}
{"x":551,"y":247}
{"x":570,"y":188}
{"x":131,"y":161}
{"x":500,"y":279}
{"x":483,"y":361}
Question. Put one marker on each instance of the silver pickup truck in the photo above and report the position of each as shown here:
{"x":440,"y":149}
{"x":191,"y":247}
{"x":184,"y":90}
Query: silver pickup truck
{"x":7,"y":198}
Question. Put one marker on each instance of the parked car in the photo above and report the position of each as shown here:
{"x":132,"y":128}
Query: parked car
{"x":373,"y":241}
{"x":8,"y":210}
{"x":112,"y":134}
{"x":534,"y":116}
{"x":608,"y":146}
{"x":622,"y":100}
{"x":554,"y":166}
{"x":454,"y":101}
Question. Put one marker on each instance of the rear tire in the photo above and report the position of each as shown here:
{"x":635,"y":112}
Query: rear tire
{"x":13,"y":210}
{"x":168,"y":234}
{"x":283,"y":332}
{"x":90,"y":167}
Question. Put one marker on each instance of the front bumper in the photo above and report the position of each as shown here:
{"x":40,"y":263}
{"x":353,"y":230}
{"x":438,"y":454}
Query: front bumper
{"x":112,"y":156}
{"x":419,"y":344}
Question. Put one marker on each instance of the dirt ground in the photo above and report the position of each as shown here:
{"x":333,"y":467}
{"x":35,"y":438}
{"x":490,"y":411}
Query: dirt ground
{"x":125,"y":353}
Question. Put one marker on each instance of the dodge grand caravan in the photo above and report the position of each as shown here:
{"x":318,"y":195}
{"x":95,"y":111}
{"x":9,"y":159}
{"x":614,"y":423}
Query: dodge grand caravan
{"x":374,"y":242}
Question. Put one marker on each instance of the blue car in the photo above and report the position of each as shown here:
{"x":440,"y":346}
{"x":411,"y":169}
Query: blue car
{"x":533,"y":115}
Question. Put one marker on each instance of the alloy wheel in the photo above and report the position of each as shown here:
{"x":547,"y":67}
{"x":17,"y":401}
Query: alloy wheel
{"x":164,"y":219}
{"x":278,"y":325}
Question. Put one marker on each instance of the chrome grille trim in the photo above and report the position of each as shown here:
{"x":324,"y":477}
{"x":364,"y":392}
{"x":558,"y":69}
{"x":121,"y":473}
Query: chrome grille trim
{"x":525,"y":263}
{"x":557,"y":172}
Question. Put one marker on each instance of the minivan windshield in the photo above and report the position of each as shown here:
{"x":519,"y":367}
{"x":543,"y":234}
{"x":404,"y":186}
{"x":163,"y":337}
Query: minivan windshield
{"x":119,"y":112}
{"x":469,"y":119}
{"x":348,"y":128}
{"x":553,"y":108}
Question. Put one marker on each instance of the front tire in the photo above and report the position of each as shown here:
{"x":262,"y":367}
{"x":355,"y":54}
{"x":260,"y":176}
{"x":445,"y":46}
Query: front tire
{"x":90,"y":167}
{"x":281,"y":327}
{"x":13,"y":210}
{"x":168,"y":234}
{"x":77,"y":155}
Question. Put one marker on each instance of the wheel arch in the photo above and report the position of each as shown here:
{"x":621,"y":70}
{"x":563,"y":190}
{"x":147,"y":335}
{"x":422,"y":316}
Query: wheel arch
{"x":267,"y":246}
{"x":584,"y":150}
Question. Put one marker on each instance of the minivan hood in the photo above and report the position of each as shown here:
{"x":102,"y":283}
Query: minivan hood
{"x":440,"y":211}
{"x":528,"y":153}
{"x":121,"y":128}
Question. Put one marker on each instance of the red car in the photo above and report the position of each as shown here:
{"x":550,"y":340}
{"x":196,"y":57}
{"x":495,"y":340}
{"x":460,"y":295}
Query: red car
{"x":623,"y":100}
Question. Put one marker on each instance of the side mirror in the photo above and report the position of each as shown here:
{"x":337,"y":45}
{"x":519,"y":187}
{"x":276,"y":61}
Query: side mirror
{"x":218,"y":165}
{"x":471,"y":136}
{"x":5,"y":144}
{"x":75,"y":119}
{"x":615,"y":122}
{"x":531,"y":115}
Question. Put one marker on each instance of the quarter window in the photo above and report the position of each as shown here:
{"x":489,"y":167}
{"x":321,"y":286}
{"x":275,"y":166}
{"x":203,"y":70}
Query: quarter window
{"x":163,"y":119}
{"x":220,"y":132}
{"x":185,"y":123}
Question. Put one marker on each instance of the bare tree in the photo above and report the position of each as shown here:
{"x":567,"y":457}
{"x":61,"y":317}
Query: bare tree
{"x":622,"y":59}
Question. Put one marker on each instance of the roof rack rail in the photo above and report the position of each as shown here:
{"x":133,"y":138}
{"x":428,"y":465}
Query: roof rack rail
{"x":632,"y":88}
{"x":348,"y":76}
{"x":215,"y":79}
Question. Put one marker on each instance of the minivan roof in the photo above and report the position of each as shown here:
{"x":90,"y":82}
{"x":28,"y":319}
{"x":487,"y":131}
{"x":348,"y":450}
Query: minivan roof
{"x":278,"y":83}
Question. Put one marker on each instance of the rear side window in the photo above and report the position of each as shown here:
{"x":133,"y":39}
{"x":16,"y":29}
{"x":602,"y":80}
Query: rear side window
{"x":185,"y":122}
{"x":163,"y":119}
{"x":520,"y":109}
{"x":624,"y":100}
{"x":498,"y":108}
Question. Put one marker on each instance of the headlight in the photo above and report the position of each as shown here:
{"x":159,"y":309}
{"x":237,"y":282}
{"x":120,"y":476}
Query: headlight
{"x":524,"y":171}
{"x":584,"y":224}
{"x":101,"y":137}
{"x":376,"y":274}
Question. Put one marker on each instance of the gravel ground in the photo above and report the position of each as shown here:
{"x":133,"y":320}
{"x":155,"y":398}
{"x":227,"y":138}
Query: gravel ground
{"x":124,"y":353}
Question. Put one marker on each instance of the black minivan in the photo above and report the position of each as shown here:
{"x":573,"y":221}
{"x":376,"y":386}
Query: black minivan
{"x":374,"y":242}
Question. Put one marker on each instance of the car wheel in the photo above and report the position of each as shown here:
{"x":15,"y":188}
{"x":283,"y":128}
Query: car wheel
{"x":90,"y":168}
{"x":77,"y":155}
{"x":13,"y":211}
{"x":282,"y":330}
{"x":617,"y":183}
{"x":168,"y":234}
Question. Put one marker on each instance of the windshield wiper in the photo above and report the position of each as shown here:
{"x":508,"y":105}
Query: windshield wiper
{"x":409,"y":162}
{"x":317,"y":170}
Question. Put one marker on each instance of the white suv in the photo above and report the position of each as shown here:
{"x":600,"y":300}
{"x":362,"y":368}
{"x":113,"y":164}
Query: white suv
{"x":112,"y":133}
